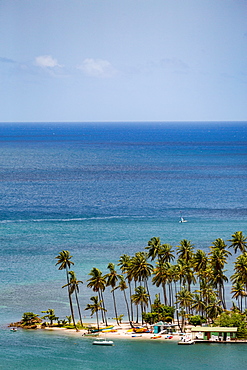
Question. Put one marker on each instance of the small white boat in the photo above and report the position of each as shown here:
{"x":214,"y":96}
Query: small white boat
{"x":186,"y":341}
{"x":103,"y":342}
{"x":13,"y":329}
{"x":182,"y":220}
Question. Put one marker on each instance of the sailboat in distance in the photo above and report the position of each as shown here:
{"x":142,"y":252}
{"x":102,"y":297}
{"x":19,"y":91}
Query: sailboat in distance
{"x":182,"y":219}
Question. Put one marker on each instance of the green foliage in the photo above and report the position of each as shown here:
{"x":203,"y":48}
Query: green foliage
{"x":119,"y":318}
{"x":29,"y":318}
{"x":233,"y":319}
{"x":242,"y":331}
{"x":50,"y":315}
{"x":160,"y":312}
{"x":196,"y":320}
{"x":150,"y":317}
{"x":229,"y":319}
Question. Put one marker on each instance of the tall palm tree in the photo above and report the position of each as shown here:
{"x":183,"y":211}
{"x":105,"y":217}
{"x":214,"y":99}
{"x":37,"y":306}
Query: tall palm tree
{"x":140,"y":269}
{"x":64,"y":260}
{"x":95,"y":307}
{"x":153,"y":248}
{"x":97,"y":282}
{"x":74,"y":288}
{"x":218,"y":260}
{"x":214,"y":308}
{"x":198,"y":304}
{"x":185,"y":271}
{"x":111,"y":280}
{"x":200,"y":262}
{"x":161,"y":276}
{"x":165,"y":253}
{"x":124,"y":263}
{"x":140,"y":298}
{"x":239,"y":292}
{"x":185,"y":250}
{"x":184,"y":299}
{"x":123,"y":286}
{"x":238,"y":241}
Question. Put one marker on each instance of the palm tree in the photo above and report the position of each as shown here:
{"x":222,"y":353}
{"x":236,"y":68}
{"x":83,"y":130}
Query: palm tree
{"x":184,"y":299}
{"x":140,"y":269}
{"x":198,"y":304}
{"x":165,"y":253}
{"x":112,"y":279}
{"x":64,"y":260}
{"x":161,"y":275}
{"x":218,"y":260}
{"x":214,"y":308}
{"x":123,"y":286}
{"x":239,"y":292}
{"x":238,"y":241}
{"x":140,"y":298}
{"x":50,"y":315}
{"x":200,"y":262}
{"x":124,"y":263}
{"x":95,"y":307}
{"x":153,"y":248}
{"x":74,"y":288}
{"x":185,"y":272}
{"x":97,"y":282}
{"x":185,"y":250}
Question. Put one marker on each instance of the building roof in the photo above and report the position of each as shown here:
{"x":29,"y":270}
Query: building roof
{"x":221,"y":329}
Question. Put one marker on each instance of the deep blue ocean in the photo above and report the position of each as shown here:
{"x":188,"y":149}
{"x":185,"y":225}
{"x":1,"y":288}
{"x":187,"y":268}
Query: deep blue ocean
{"x":99,"y":191}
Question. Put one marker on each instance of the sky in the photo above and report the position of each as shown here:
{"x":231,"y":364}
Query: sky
{"x":123,"y":60}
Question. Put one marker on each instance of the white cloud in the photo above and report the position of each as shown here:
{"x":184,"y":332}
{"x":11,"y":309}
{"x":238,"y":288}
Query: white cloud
{"x":46,"y":61}
{"x":97,"y":68}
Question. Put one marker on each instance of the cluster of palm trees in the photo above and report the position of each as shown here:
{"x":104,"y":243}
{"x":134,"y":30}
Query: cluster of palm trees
{"x":174,"y":271}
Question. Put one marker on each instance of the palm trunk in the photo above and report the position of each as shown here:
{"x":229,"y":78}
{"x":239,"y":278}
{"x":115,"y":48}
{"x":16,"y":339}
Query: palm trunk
{"x":127,"y":305}
{"x":149,"y":298}
{"x":131,"y":303}
{"x":115,"y":306}
{"x":102,"y":313}
{"x":97,"y":318}
{"x":78,"y":305}
{"x":70,"y":300}
{"x":103,"y":304}
{"x":164,"y":293}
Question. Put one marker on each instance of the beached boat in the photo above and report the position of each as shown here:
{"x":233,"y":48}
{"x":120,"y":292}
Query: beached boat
{"x":156,"y":336}
{"x":103,"y":342}
{"x":101,"y":329}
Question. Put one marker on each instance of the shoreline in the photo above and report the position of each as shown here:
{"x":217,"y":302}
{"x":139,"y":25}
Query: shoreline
{"x":122,"y":332}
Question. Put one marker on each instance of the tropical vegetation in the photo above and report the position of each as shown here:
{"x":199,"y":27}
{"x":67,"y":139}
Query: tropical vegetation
{"x":188,"y":284}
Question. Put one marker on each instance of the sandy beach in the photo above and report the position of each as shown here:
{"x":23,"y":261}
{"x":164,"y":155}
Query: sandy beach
{"x":122,"y":332}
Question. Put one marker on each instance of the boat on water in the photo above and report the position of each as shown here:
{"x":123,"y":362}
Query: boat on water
{"x":103,"y":342}
{"x":182,"y":220}
{"x":186,"y":341}
{"x":13,"y":329}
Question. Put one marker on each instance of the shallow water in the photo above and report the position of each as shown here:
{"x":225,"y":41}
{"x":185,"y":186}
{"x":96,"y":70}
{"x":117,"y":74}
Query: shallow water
{"x":39,"y":350}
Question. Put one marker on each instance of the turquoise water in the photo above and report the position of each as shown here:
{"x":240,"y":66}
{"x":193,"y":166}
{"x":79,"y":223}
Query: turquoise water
{"x":38,"y":350}
{"x":100,"y":191}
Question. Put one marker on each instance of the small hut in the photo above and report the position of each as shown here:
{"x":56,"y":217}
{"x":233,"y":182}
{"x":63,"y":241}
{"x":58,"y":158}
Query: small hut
{"x":214,"y":334}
